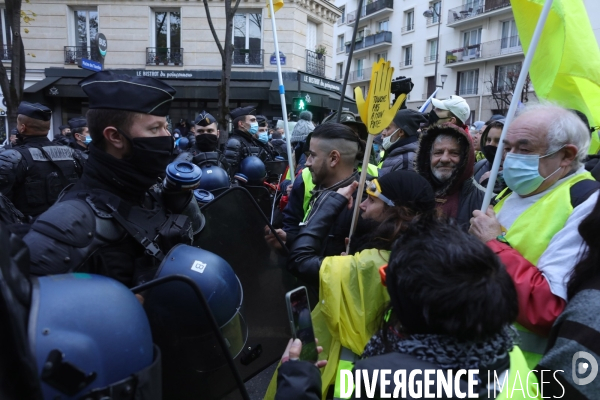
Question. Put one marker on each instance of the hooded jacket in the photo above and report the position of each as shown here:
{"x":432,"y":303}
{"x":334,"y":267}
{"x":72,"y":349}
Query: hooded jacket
{"x":400,"y":155}
{"x":460,"y":195}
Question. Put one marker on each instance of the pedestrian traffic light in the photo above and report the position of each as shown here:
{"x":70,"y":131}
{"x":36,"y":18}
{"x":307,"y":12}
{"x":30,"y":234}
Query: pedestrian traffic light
{"x":298,"y":104}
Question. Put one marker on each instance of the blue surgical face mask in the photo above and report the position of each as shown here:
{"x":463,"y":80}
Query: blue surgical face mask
{"x":521,"y":172}
{"x":253,"y":128}
{"x":88,"y":140}
{"x":263,"y":137}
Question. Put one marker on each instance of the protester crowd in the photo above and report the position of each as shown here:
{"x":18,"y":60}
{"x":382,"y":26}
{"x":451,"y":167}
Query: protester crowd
{"x":428,"y":280}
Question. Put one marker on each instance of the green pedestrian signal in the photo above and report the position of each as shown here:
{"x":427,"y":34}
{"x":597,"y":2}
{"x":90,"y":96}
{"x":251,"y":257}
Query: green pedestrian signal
{"x":298,"y":104}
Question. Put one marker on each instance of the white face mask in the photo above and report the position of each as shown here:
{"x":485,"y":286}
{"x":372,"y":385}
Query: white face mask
{"x":387,"y":141}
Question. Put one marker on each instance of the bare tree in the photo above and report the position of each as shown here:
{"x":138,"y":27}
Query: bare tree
{"x":12,"y":88}
{"x":502,"y":87}
{"x":226,"y":49}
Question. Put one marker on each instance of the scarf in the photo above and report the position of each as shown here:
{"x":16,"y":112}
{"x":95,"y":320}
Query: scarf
{"x":446,"y":351}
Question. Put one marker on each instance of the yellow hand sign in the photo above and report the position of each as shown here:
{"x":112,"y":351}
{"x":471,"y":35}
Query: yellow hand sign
{"x":375,"y":110}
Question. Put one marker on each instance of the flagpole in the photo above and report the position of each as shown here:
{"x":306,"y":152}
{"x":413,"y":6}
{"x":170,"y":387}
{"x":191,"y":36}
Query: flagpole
{"x":348,"y":62}
{"x":424,"y":106}
{"x":282,"y":97}
{"x":515,"y":102}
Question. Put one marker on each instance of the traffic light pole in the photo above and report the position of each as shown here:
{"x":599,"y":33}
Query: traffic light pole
{"x":350,"y":54}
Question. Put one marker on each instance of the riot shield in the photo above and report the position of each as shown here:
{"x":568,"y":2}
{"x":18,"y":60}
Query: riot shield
{"x":262,"y":197}
{"x":234,"y":230}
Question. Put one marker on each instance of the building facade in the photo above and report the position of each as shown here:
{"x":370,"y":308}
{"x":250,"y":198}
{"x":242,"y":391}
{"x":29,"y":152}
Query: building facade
{"x":172,"y":40}
{"x":477,"y":51}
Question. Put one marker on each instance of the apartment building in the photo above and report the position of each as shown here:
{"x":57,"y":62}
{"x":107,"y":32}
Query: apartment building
{"x":172,"y":40}
{"x":477,"y":52}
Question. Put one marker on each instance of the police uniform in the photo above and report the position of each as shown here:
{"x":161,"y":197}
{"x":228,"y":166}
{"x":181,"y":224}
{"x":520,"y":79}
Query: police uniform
{"x":116,"y":221}
{"x":242,"y":144}
{"x":33,"y":174}
{"x":60,"y":138}
{"x":204,"y":150}
{"x":77,"y":123}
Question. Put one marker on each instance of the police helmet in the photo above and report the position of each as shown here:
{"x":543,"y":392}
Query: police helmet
{"x":183,"y":143}
{"x":179,"y":323}
{"x":213,"y":178}
{"x":254,"y":169}
{"x":90,"y":336}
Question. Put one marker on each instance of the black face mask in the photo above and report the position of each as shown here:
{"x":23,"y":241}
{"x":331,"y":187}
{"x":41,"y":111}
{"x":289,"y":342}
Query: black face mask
{"x":489,"y":152}
{"x":150,"y":155}
{"x":433,"y":118}
{"x":207,"y":142}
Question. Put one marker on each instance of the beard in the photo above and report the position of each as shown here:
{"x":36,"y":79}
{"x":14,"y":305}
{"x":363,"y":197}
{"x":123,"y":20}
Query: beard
{"x":446,"y":173}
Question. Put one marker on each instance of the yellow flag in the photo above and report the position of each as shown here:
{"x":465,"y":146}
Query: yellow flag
{"x":277,"y":4}
{"x":566,"y":66}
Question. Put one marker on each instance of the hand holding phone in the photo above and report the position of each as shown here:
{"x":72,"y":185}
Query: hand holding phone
{"x":301,"y":323}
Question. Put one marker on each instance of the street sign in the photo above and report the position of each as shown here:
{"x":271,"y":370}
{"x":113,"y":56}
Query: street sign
{"x":281,"y":58}
{"x":298,"y":104}
{"x":102,"y":44}
{"x":91,"y":65}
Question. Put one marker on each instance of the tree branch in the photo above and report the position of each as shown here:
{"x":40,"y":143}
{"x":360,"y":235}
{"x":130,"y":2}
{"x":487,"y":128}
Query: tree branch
{"x":212,"y":29}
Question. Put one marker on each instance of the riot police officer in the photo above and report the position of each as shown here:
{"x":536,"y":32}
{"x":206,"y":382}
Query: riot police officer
{"x":64,"y":136}
{"x":205,"y":148}
{"x":33,"y":174}
{"x":116,"y":221}
{"x":81,"y":134}
{"x":242,"y":142}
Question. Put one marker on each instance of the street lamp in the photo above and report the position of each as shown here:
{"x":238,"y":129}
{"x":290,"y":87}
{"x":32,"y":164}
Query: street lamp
{"x":429,"y":13}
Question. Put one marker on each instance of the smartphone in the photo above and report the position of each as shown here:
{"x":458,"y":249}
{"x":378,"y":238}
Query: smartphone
{"x":301,"y":322}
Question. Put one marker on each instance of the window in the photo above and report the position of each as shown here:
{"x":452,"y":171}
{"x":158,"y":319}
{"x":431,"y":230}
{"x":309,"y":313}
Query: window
{"x":167,"y":29}
{"x":471,"y":42}
{"x":506,"y":77}
{"x":437,"y":7}
{"x":340,"y":71}
{"x":432,"y":50}
{"x":510,"y":36}
{"x":341,"y":46}
{"x":407,"y":56}
{"x":5,"y":39}
{"x":86,"y":27}
{"x":381,"y":55}
{"x":474,"y":5}
{"x":247,"y":39}
{"x":342,"y":18}
{"x":311,"y":35}
{"x":409,"y":20}
{"x":467,"y":82}
{"x":383,"y":26}
{"x":359,"y":68}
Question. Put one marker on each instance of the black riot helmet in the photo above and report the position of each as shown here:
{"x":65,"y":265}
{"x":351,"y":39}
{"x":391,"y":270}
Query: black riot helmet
{"x":213,"y":178}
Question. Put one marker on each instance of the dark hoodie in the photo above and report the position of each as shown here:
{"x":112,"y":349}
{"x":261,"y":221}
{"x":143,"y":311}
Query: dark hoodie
{"x":460,"y":195}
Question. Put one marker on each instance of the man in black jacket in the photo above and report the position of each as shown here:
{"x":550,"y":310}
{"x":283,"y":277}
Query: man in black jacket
{"x":116,"y":221}
{"x":33,"y":174}
{"x":242,"y":141}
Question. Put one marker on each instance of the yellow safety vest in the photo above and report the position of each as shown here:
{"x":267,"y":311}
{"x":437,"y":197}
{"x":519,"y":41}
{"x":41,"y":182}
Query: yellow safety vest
{"x":530,"y":235}
{"x":372,"y":170}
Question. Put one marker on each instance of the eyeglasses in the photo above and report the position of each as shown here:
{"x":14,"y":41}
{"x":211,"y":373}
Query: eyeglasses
{"x":374,"y":190}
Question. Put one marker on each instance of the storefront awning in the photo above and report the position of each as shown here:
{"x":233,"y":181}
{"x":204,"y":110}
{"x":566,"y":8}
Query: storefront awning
{"x":36,"y":87}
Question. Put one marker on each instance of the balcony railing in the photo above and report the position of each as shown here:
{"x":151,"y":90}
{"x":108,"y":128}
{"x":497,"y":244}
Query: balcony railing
{"x":473,"y":9}
{"x":430,"y":58}
{"x":341,"y":49}
{"x":6,"y":53}
{"x":406,"y":63}
{"x":359,"y":75}
{"x":164,"y":56}
{"x":408,"y":28}
{"x":342,"y":20}
{"x":248,"y":57}
{"x":75,"y":53}
{"x":372,"y":40}
{"x":495,"y":48}
{"x":369,"y":9}
{"x":315,"y":63}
